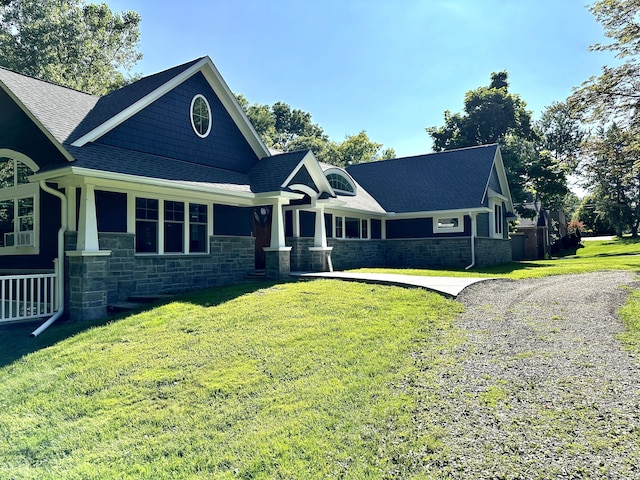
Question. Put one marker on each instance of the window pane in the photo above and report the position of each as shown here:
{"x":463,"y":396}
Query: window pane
{"x":448,"y":222}
{"x":146,"y":236}
{"x":197,"y":213}
{"x":6,"y":222}
{"x":6,"y":172}
{"x":173,"y":237}
{"x":197,"y":238}
{"x":338,"y":227}
{"x":174,"y":211}
{"x":365,"y":233}
{"x":23,"y":173}
{"x":146,"y":209}
{"x":352,"y":227}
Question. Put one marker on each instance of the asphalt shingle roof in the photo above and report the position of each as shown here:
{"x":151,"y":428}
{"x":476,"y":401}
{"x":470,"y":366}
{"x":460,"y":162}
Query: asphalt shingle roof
{"x":58,"y":109}
{"x":451,"y":180}
{"x":111,"y":159}
{"x":362,"y":200}
{"x":270,"y":173}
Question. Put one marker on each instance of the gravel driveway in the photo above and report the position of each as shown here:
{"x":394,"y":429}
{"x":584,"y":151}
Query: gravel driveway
{"x":542,"y":388}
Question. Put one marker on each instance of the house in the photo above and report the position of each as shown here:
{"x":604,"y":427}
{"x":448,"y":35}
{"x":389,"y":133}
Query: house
{"x":164,"y":186}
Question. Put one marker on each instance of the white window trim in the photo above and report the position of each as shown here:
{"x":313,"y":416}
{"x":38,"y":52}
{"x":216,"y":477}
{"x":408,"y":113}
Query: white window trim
{"x":344,"y":227}
{"x":193,"y":125}
{"x":345,"y":176}
{"x":28,"y":190}
{"x":459,"y":229}
{"x":131,"y":225}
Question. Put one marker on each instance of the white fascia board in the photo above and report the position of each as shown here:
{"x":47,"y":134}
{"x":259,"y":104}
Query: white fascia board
{"x":502,"y":176}
{"x":38,"y":124}
{"x":316,"y":172}
{"x":77,"y":176}
{"x":278,"y":194}
{"x":218,"y":85}
{"x":131,"y":110}
{"x":228,"y":99}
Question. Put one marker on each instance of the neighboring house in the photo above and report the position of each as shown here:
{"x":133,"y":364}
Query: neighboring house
{"x":165,"y":186}
{"x":531,"y":238}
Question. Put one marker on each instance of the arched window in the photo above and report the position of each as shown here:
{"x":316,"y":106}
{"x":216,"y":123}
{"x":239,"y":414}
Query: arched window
{"x":18,"y":204}
{"x":341,"y":183}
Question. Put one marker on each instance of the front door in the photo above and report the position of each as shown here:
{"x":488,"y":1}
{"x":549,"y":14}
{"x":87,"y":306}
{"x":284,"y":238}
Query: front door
{"x":261,"y":233}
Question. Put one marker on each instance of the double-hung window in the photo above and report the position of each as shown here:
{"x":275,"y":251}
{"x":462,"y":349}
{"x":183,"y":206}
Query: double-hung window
{"x":351,"y":227}
{"x":18,"y":208}
{"x":168,"y":226}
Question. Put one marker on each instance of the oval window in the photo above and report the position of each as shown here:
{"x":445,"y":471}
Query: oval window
{"x":200,"y":116}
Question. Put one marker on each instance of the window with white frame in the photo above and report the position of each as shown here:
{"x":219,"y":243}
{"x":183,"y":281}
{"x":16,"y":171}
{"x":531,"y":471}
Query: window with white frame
{"x":340,"y":182}
{"x":351,"y":227}
{"x":178,"y":227}
{"x":448,"y":224}
{"x":201,"y":119}
{"x":18,"y":208}
{"x":497,"y":212}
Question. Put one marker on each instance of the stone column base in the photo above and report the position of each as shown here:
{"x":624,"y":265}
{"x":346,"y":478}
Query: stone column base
{"x":86,"y":285}
{"x":321,"y":259}
{"x":277,"y":263}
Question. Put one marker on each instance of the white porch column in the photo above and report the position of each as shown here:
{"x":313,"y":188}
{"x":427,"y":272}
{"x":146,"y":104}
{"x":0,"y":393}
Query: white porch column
{"x":320,"y":237}
{"x":88,"y":223}
{"x":295,"y":215}
{"x":277,"y":226}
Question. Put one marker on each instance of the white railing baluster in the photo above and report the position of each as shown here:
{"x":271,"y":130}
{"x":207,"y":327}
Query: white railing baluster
{"x":27,"y":296}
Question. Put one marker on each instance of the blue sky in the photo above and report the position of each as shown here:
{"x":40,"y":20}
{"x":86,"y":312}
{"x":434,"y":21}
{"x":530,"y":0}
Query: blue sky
{"x":390,"y":68}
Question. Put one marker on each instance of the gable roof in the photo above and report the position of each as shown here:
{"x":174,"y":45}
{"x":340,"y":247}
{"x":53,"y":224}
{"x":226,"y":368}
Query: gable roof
{"x":110,"y":105}
{"x":450,"y":180}
{"x":269,"y":174}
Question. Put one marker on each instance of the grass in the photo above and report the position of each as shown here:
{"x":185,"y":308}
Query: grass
{"x":304,"y":380}
{"x":318,"y":379}
{"x":617,"y":254}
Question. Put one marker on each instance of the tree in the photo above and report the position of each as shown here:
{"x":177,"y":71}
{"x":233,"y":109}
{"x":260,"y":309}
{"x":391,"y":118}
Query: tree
{"x":561,"y":133}
{"x":287,"y":129}
{"x":494,"y":115}
{"x":614,"y":95}
{"x":78,"y":45}
{"x":490,"y":114}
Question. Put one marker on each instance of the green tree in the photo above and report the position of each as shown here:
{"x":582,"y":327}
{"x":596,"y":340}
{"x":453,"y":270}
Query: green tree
{"x":608,"y":166}
{"x":287,"y":129}
{"x":561,"y":133}
{"x":494,"y":115}
{"x":615,"y":93}
{"x":69,"y":42}
{"x":490,"y":114}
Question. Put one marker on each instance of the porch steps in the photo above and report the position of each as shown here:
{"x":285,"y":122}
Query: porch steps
{"x":257,"y":275}
{"x":137,"y":302}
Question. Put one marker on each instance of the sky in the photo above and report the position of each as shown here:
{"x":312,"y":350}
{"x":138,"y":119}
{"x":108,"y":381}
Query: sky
{"x":390,"y":68}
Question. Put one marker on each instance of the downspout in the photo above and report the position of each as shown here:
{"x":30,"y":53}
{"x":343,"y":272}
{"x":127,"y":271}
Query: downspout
{"x":473,"y":241}
{"x":60,"y":259}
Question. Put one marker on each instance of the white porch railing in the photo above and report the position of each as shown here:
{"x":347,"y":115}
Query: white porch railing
{"x":25,"y":297}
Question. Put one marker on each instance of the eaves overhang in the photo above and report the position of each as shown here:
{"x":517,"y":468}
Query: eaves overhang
{"x":37,"y":123}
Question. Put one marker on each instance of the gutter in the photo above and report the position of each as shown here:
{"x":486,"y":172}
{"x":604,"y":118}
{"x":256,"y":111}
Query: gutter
{"x":59,"y":267}
{"x":473,"y":241}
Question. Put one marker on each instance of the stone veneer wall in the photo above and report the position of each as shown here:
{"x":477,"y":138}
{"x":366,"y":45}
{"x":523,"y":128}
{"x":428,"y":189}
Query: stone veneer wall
{"x":229,"y":261}
{"x":492,"y":251}
{"x":300,"y":258}
{"x":429,"y":252}
{"x":357,"y":253}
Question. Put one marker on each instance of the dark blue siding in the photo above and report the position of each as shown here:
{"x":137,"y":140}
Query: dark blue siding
{"x":303,"y":178}
{"x":164,"y":128}
{"x":228,"y":220}
{"x":288,"y":223}
{"x":421,"y":228}
{"x":307,"y":223}
{"x":494,"y":182}
{"x":111,"y":211}
{"x":49,"y":226}
{"x":482,"y":221}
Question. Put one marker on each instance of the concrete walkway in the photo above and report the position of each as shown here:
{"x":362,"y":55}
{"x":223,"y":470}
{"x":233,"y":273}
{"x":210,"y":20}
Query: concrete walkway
{"x":449,"y":286}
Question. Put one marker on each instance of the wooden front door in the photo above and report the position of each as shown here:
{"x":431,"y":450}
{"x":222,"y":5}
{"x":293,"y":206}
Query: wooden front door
{"x":262,"y":233}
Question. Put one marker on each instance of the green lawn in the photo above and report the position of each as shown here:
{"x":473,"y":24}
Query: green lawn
{"x":617,"y":254}
{"x":296,"y":380}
